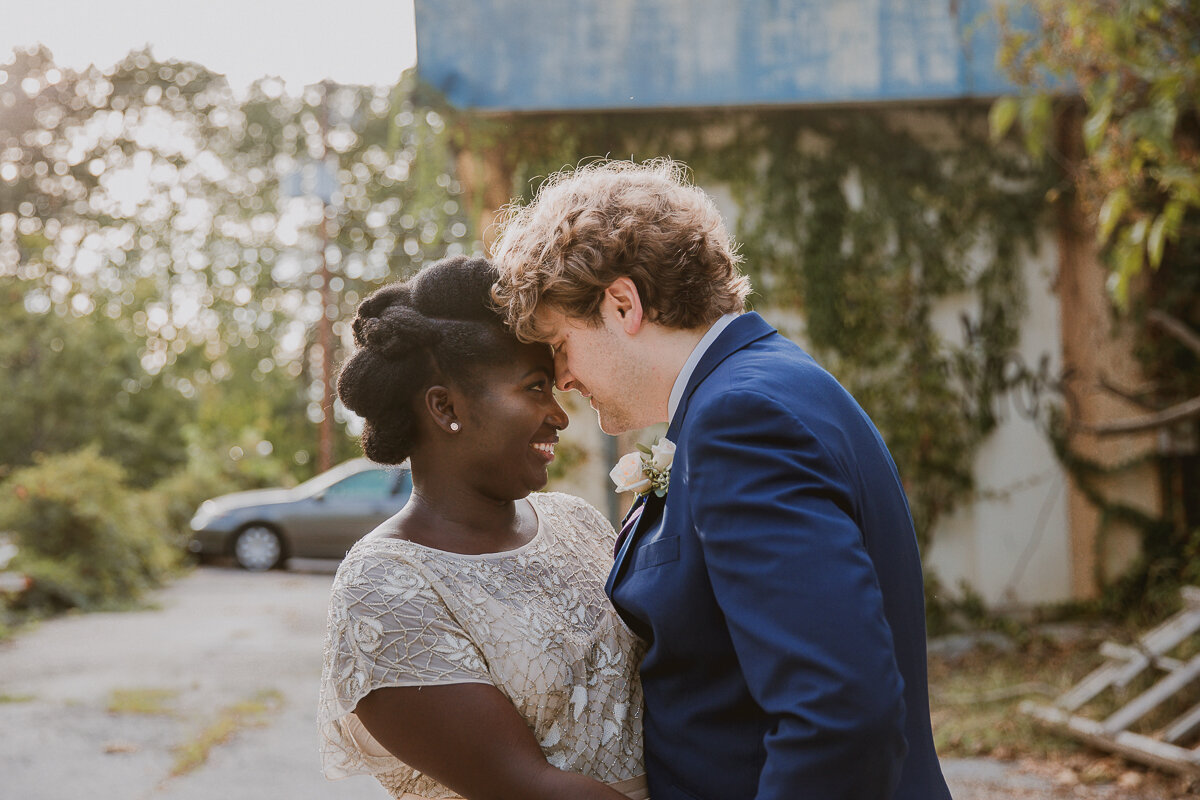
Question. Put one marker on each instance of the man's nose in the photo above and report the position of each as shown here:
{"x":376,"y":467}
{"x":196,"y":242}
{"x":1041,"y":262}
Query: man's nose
{"x":563,"y":378}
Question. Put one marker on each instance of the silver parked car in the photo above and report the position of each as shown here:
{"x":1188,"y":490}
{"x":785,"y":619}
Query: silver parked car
{"x":320,"y":518}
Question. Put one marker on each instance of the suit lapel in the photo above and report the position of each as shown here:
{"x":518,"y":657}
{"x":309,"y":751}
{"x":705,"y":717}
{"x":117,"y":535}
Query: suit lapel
{"x":651,"y":509}
{"x":744,"y":330}
{"x":741,"y":332}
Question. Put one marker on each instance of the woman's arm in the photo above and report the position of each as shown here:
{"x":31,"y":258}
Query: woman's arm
{"x":468,"y":737}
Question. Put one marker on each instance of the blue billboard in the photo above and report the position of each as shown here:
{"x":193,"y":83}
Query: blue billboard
{"x":534,"y":55}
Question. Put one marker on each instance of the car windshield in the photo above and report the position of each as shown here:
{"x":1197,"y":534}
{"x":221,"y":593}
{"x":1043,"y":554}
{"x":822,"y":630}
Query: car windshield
{"x":372,"y":483}
{"x":326,"y":480}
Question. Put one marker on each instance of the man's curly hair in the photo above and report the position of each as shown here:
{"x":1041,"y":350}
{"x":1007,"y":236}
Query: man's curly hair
{"x":589,"y":226}
{"x":438,"y":324}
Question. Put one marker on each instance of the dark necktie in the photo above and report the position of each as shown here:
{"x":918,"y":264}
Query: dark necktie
{"x":627,"y":528}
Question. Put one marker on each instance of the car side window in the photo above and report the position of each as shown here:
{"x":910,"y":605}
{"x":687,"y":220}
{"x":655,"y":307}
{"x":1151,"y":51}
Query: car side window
{"x":363,"y":485}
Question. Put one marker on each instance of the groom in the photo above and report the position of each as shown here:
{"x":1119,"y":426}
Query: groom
{"x":777,"y":583}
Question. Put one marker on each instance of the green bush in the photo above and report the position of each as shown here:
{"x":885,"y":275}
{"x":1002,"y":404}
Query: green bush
{"x":86,"y":538}
{"x":207,"y":475}
{"x":182,"y":493}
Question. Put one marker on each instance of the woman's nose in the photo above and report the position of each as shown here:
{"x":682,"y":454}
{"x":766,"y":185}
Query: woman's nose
{"x":557,"y":416}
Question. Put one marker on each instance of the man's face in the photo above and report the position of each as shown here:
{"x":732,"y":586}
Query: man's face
{"x":596,"y":361}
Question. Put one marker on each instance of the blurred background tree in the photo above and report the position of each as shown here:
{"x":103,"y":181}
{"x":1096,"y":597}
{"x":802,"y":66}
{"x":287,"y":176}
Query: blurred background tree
{"x":175,"y":263}
{"x":1135,"y":65}
{"x":1127,"y":136}
{"x":161,"y":249}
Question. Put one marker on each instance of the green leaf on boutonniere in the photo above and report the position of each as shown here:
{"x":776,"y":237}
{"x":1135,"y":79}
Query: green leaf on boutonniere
{"x":644,"y":449}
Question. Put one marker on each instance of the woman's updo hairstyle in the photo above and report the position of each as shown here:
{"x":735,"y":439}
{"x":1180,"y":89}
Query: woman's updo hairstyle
{"x":440,"y":322}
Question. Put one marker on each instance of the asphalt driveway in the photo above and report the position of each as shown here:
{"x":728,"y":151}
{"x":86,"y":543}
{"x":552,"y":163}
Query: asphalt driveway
{"x":226,"y":664}
{"x":211,"y":693}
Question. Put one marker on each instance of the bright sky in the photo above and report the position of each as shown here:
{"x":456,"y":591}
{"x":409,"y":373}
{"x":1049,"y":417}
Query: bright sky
{"x":301,"y":41}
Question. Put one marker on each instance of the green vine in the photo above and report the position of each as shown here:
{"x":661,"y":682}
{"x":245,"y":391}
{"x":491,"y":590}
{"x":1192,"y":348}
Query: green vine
{"x":1149,"y":588}
{"x":861,"y":221}
{"x":1109,"y":90}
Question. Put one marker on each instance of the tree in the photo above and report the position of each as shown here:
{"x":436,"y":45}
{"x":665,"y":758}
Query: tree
{"x":75,"y":380}
{"x":149,"y":202}
{"x":1135,"y":67}
{"x":1129,"y":70}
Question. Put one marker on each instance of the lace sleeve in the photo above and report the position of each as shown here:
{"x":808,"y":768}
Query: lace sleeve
{"x":388,"y":626}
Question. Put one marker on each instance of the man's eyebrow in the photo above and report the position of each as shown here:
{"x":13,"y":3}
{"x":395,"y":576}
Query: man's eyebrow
{"x":538,"y":368}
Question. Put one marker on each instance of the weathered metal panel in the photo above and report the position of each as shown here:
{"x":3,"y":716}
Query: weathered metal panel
{"x":528,"y":55}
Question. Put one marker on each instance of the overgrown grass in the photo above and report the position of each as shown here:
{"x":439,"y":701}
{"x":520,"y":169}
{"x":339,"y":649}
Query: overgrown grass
{"x":141,"y":701}
{"x":249,"y":713}
{"x":975,"y":698}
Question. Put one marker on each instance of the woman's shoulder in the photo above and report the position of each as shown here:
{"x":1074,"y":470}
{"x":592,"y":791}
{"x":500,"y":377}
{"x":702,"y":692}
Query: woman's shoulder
{"x":375,"y":560}
{"x":562,"y":501}
{"x":572,"y":509}
{"x":375,"y":549}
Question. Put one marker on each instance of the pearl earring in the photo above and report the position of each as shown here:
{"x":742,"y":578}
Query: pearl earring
{"x":455,"y":427}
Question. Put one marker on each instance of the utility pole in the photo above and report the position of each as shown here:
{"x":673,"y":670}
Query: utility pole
{"x":325,"y":329}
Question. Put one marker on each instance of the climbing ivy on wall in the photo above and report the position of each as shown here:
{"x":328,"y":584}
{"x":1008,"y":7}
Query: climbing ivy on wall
{"x":1132,"y":169}
{"x":863,"y":221}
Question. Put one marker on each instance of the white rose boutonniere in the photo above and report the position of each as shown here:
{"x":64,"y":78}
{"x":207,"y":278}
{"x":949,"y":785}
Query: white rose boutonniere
{"x":648,"y":469}
{"x":662,"y":453}
{"x":628,"y":474}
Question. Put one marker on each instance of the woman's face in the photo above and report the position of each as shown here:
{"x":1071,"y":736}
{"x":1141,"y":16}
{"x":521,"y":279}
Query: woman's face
{"x":513,"y":422}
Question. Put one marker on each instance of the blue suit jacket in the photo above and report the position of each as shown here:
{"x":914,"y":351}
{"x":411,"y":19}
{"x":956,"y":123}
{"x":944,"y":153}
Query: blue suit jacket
{"x":779,"y":587}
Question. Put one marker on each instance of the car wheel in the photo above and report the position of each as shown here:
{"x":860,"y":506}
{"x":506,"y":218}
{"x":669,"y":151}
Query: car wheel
{"x":257,"y":548}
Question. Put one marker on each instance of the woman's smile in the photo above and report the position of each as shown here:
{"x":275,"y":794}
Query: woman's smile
{"x":544,"y":450}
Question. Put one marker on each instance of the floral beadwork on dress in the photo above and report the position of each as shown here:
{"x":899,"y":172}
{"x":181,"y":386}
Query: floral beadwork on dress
{"x":534,"y":622}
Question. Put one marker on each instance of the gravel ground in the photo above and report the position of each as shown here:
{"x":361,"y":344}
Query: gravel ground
{"x":216,"y":639}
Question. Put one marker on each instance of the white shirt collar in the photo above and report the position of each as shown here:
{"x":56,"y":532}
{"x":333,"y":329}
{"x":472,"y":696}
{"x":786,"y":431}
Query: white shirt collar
{"x":689,"y":366}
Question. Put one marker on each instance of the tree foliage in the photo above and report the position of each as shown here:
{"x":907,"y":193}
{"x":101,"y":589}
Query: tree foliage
{"x":1136,"y":66}
{"x":160,"y":251}
{"x":1130,"y":71}
{"x":71,"y":381}
{"x":82,"y":535}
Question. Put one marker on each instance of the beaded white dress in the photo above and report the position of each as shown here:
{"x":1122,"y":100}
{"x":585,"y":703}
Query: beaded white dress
{"x":533,"y":621}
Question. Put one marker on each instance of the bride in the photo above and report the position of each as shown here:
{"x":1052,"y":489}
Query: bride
{"x":470,"y":650}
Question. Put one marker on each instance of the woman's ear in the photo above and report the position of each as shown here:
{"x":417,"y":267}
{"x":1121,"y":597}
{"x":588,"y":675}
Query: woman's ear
{"x":439,"y":402}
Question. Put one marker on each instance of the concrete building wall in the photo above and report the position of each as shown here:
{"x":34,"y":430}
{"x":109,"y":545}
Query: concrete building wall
{"x":1012,"y":544}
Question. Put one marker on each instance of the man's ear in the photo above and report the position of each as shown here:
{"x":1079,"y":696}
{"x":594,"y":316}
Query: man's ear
{"x":439,"y":402}
{"x":623,"y":305}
